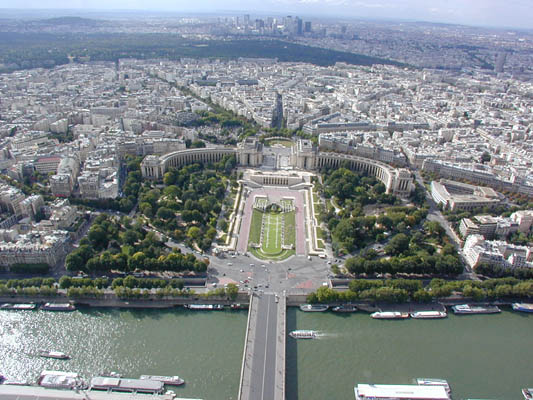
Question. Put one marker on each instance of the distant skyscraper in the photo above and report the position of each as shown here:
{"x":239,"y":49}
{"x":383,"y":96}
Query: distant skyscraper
{"x":298,"y":26}
{"x":287,"y":23}
{"x":343,"y":29}
{"x":500,"y":61}
{"x":307,"y":27}
{"x":246,"y":19}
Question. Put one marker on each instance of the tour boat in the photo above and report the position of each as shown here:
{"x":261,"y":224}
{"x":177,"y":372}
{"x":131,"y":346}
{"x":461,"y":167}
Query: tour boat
{"x":58,"y":307}
{"x":303,"y":334}
{"x":345,"y":308}
{"x":389,"y":315}
{"x":239,"y":306}
{"x":202,"y":307}
{"x":21,"y":306}
{"x":528,"y":393}
{"x":167,"y":380}
{"x":111,"y":374}
{"x":434,"y":382}
{"x":429,"y":314}
{"x":524,"y":307}
{"x":469,"y":309}
{"x":54,"y":354}
{"x":313,"y":307}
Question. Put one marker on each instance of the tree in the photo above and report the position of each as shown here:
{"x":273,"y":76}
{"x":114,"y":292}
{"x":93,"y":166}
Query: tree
{"x":194,"y":233}
{"x":131,"y":282}
{"x":65,"y":282}
{"x":397,"y":245}
{"x":164,"y":213}
{"x":485,"y":157}
{"x":232,"y":291}
{"x":434,"y":228}
{"x":422,"y":296}
{"x":129,"y":237}
{"x":146,"y":209}
{"x":74,"y":262}
{"x":475,"y":293}
{"x":98,"y":236}
{"x":136,"y":261}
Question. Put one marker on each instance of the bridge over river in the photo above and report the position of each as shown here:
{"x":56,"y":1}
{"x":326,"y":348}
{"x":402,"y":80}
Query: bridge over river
{"x":263,"y":367}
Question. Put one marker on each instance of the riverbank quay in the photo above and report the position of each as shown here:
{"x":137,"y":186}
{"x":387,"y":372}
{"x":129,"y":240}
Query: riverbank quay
{"x":39,"y":393}
{"x":111,"y":301}
{"x":438,"y":305}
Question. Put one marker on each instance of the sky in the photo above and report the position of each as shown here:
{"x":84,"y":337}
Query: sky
{"x":500,"y":13}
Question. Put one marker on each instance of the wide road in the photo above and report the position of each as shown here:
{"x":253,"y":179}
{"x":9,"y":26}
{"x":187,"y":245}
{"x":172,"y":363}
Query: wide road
{"x":263,"y":380}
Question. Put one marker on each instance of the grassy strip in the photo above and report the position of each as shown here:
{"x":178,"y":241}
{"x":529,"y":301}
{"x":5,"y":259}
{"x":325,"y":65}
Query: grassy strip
{"x":255,"y":227}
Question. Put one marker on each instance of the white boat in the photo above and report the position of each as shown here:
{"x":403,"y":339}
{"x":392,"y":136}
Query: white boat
{"x":313,"y":307}
{"x":54,"y":354}
{"x":167,"y":380}
{"x":528,"y":393}
{"x":429,"y":314}
{"x":58,"y":307}
{"x":469,"y":309}
{"x":399,"y":392}
{"x":523,"y":307}
{"x":202,"y":307}
{"x":59,"y":380}
{"x":17,"y":307}
{"x":434,"y":382}
{"x":389,"y":315}
{"x":111,"y":374}
{"x":303,"y":334}
{"x":345,"y":308}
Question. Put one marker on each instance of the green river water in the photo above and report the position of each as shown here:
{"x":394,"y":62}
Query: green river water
{"x":483,"y":356}
{"x":204,"y":348}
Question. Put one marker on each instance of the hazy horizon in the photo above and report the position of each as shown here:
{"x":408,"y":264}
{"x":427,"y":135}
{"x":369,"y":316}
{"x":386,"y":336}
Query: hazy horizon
{"x":490,"y":13}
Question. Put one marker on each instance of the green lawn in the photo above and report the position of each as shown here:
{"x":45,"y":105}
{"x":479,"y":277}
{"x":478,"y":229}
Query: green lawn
{"x":271,"y":246}
{"x":255,"y":227}
{"x":290,"y":227}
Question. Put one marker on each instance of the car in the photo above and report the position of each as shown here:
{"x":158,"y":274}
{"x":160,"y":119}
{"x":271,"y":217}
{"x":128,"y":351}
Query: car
{"x":252,"y":265}
{"x":266,"y":286}
{"x":230,"y":264}
{"x":242,"y":270}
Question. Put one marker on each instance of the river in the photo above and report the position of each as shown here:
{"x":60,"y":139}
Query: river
{"x":204,"y":348}
{"x":481,"y":356}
